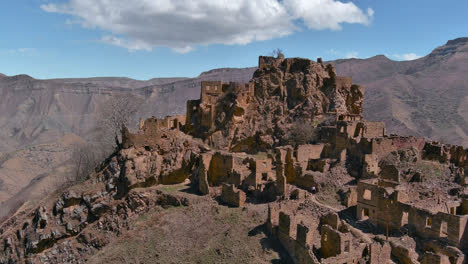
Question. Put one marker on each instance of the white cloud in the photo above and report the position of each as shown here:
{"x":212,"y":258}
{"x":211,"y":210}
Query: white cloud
{"x":20,"y":51}
{"x":184,"y":24}
{"x":327,"y":14}
{"x":337,"y":54}
{"x":351,"y":55}
{"x":406,"y":57}
{"x":131,"y":45}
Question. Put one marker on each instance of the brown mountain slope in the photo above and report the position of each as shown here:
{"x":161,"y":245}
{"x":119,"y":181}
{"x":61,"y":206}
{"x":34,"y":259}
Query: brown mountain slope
{"x":426,"y":97}
{"x":36,"y":114}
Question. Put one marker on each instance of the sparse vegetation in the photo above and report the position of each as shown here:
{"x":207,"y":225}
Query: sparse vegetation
{"x":85,"y":158}
{"x":302,"y":132}
{"x":8,"y":210}
{"x":278,"y":53}
{"x":117,"y":112}
{"x":201,"y":233}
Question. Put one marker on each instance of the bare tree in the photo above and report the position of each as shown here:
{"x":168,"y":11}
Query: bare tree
{"x":278,"y":53}
{"x":302,"y":132}
{"x":85,"y":158}
{"x":118,"y":111}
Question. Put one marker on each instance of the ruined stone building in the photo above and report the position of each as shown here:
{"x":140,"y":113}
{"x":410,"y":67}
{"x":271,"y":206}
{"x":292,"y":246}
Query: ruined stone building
{"x":349,"y":194}
{"x":243,"y":126}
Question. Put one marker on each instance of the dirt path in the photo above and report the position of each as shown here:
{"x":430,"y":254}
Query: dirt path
{"x":324,"y":205}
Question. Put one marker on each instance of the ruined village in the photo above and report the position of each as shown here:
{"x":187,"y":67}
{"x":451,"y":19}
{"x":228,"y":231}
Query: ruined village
{"x":347,"y":193}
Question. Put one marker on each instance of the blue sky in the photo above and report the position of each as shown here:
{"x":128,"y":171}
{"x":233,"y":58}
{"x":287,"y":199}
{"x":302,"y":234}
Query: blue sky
{"x":144,"y":39}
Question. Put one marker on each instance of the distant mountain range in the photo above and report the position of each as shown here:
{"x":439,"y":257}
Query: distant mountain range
{"x":424,"y":97}
{"x":41,"y":121}
{"x":38,"y":111}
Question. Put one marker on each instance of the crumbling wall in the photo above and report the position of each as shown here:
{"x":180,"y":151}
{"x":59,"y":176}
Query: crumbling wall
{"x":332,"y":220}
{"x":358,"y":128}
{"x":245,"y":93}
{"x":444,"y":252}
{"x":383,"y":146}
{"x":149,"y":131}
{"x":272,"y":222}
{"x":295,"y":238}
{"x":284,"y":156}
{"x":368,"y":201}
{"x":404,"y":253}
{"x":306,"y":182}
{"x":351,"y":197}
{"x":382,"y":207}
{"x":321,"y":165}
{"x":232,"y":196}
{"x":379,"y":252}
{"x":210,"y":92}
{"x":438,"y":225}
{"x":433,"y":258}
{"x":227,"y":168}
{"x":192,"y":117}
{"x":464,"y":207}
{"x":374,"y":129}
{"x":309,"y":151}
{"x":369,"y":151}
{"x":334,"y":242}
{"x":445,"y":153}
{"x":263,"y":170}
{"x":202,"y":173}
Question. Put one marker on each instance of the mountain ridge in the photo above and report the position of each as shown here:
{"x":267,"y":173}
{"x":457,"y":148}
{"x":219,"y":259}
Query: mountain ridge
{"x":423,"y":97}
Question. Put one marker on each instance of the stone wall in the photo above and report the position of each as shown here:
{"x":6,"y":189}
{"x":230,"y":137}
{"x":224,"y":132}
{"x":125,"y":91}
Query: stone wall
{"x":306,"y":152}
{"x":263,"y":170}
{"x":464,"y":207}
{"x":227,"y":168}
{"x":334,"y":242}
{"x":202,"y":173}
{"x":210,"y":92}
{"x":433,"y":258}
{"x":445,"y":153}
{"x":379,"y":253}
{"x":295,"y":238}
{"x":232,"y":196}
{"x":374,"y":129}
{"x":351,"y":196}
{"x":192,"y":118}
{"x":381,"y":206}
{"x":149,"y":130}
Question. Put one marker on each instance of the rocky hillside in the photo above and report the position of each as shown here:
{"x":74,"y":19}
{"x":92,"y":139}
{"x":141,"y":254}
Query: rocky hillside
{"x":224,"y":185}
{"x":424,"y":97}
{"x":42,"y":120}
{"x":76,"y":224}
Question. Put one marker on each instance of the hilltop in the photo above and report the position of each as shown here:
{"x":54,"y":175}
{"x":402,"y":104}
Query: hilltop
{"x":284,"y":168}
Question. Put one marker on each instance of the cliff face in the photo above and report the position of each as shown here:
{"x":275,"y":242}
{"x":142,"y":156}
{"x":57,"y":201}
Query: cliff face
{"x":259,"y":114}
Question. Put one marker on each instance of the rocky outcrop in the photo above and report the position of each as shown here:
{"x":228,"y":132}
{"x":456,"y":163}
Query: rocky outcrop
{"x":80,"y":221}
{"x":165,"y":156}
{"x":255,"y":116}
{"x":73,"y":232}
